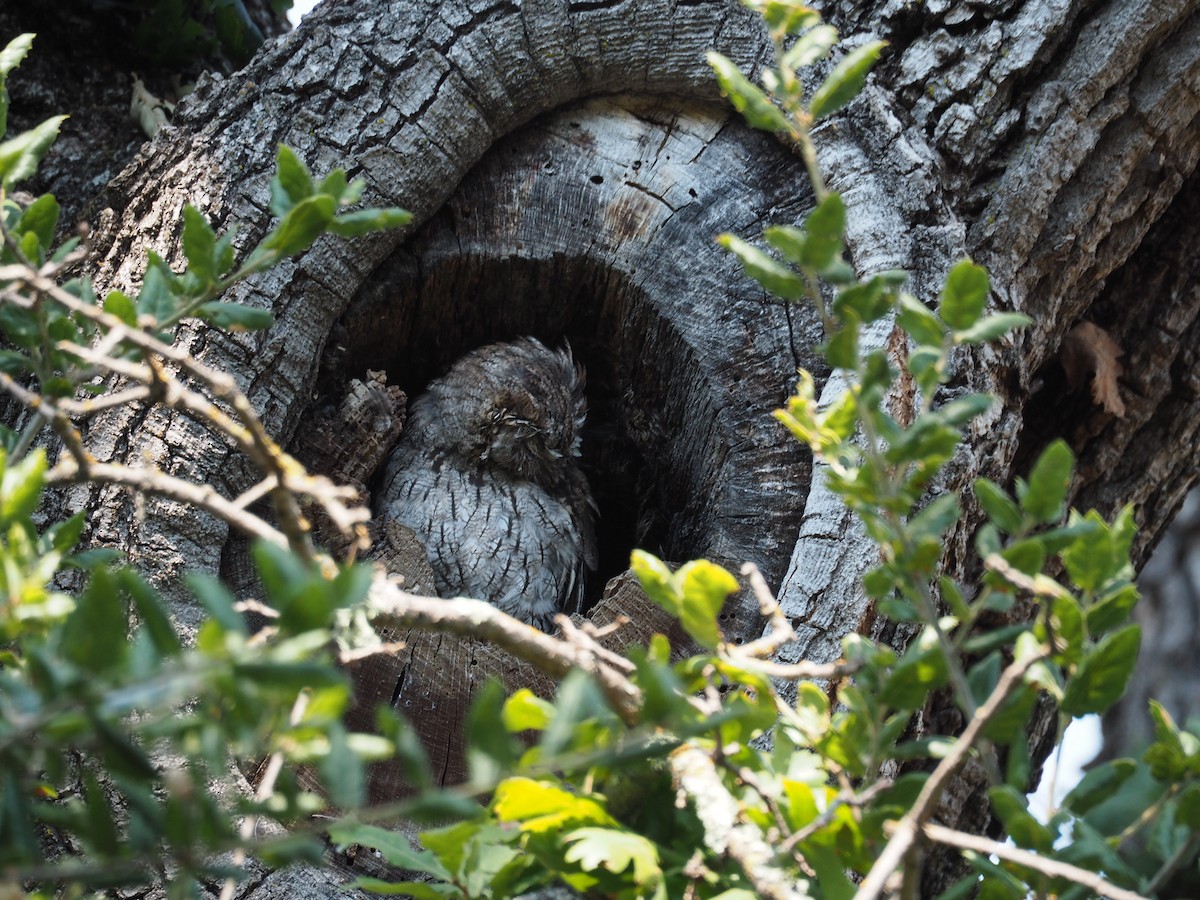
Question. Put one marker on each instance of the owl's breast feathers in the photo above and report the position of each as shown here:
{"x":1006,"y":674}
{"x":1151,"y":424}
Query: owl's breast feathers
{"x":486,"y":475}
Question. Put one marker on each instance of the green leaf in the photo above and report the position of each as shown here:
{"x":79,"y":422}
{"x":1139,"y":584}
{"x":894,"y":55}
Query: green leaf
{"x":1066,"y":622}
{"x":1102,"y":677}
{"x":616,"y":851}
{"x":19,"y":156}
{"x":289,"y":676}
{"x":787,"y":16}
{"x":775,"y":277}
{"x":235,"y":316}
{"x":656,"y":580}
{"x":542,"y":807}
{"x":755,"y":106}
{"x":199,"y":245}
{"x":525,"y":711}
{"x":417,"y":890}
{"x":1112,"y":609}
{"x":61,"y":537}
{"x":920,"y":322}
{"x":393,"y":846}
{"x":15,"y":363}
{"x":936,"y":518}
{"x":962,"y":410}
{"x":705,"y":587}
{"x":1042,"y":497}
{"x":846,"y":79}
{"x":1091,"y":559}
{"x":355,"y":224}
{"x":1025,"y":830}
{"x":216,"y":598}
{"x":824,"y":228}
{"x":120,"y":305}
{"x":102,"y":833}
{"x":94,"y":634}
{"x":151,"y":612}
{"x":964,"y":295}
{"x":302,"y":225}
{"x":334,"y":184}
{"x":491,"y":749}
{"x":869,"y":300}
{"x":40,"y":218}
{"x":1098,"y":785}
{"x":13,"y":53}
{"x":992,"y":327}
{"x":341,"y":770}
{"x":292,"y":183}
{"x":155,"y":298}
{"x":1002,"y":511}
{"x":21,"y":488}
{"x":1187,"y":811}
{"x":920,"y":670}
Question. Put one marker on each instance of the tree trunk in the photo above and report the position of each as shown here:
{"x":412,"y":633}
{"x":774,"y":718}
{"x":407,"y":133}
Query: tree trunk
{"x":568,"y":165}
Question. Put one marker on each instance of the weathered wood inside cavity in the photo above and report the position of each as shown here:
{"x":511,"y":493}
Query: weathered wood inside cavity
{"x":595,"y":225}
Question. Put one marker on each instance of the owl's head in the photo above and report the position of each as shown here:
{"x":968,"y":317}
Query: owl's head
{"x":518,"y":407}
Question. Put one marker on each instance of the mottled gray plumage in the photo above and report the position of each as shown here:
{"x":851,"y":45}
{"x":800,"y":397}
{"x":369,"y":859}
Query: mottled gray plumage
{"x":487,"y":475}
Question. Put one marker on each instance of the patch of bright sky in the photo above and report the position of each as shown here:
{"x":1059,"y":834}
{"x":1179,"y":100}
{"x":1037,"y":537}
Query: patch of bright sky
{"x":298,"y":10}
{"x":1064,"y":768}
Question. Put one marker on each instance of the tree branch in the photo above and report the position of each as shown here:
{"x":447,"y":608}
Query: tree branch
{"x":1051,"y":867}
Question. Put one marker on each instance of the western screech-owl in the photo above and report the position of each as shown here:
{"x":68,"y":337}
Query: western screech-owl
{"x":487,"y":475}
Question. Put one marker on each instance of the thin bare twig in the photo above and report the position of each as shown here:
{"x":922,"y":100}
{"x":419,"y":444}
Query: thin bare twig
{"x":389,"y":606}
{"x":262,"y":449}
{"x":573,"y":634}
{"x":1051,"y":867}
{"x":694,"y":773}
{"x":781,"y":632}
{"x":152,"y":481}
{"x":351,"y":657}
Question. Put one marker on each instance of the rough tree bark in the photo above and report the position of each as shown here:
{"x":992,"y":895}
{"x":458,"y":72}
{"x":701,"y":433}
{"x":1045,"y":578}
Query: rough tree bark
{"x":568,"y":164}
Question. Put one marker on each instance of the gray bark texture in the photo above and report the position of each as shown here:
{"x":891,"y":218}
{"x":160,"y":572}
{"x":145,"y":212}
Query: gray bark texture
{"x":569,"y":163}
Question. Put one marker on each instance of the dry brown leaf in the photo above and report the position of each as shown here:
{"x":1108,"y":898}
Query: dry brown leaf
{"x":1088,"y":351}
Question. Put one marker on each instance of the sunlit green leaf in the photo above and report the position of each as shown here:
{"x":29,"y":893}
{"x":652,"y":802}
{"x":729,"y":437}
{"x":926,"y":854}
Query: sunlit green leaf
{"x":705,"y":587}
{"x":525,"y":711}
{"x":616,"y":851}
